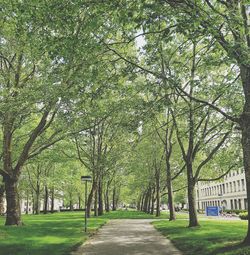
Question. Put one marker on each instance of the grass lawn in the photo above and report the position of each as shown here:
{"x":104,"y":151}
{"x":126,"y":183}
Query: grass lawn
{"x":56,"y":234}
{"x":60,"y":233}
{"x":132,"y":214}
{"x":213,"y":237}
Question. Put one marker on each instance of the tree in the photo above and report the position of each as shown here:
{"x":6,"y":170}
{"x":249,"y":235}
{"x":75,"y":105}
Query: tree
{"x":227,"y":23}
{"x":2,"y":191}
{"x":41,"y":71}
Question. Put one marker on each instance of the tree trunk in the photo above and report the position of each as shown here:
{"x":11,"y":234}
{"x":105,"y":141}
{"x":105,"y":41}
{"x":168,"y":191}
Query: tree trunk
{"x":193,"y":219}
{"x":142,"y":201}
{"x":37,"y":202}
{"x":246,"y":156}
{"x":100,"y":199}
{"x":114,"y":200}
{"x":149,"y":200}
{"x":2,"y":190}
{"x":27,"y":203}
{"x":33,"y":203}
{"x":172,"y":215}
{"x":96,"y":203}
{"x":152,"y":202}
{"x":107,"y":209}
{"x":52,"y":200}
{"x":146,"y":201}
{"x":46,"y":198}
{"x":13,"y":208}
{"x":90,"y":198}
{"x":158,"y":211}
{"x":79,"y":201}
{"x":245,"y":126}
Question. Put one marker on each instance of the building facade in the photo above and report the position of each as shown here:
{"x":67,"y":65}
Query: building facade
{"x":228,"y":193}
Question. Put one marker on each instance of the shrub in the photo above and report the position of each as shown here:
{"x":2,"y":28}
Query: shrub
{"x":234,"y":211}
{"x":243,"y":216}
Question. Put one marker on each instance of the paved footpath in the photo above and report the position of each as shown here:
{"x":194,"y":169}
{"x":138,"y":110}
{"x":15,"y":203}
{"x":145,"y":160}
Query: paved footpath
{"x":128,"y":237}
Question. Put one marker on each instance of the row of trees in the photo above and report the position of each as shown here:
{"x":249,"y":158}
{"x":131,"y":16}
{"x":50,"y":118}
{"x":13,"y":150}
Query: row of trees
{"x":198,"y":50}
{"x":84,"y":76}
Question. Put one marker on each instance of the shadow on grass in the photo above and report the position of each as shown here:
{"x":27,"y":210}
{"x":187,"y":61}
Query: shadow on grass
{"x":237,"y":248}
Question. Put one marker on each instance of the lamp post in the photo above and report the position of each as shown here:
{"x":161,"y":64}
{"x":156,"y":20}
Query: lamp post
{"x":86,"y":179}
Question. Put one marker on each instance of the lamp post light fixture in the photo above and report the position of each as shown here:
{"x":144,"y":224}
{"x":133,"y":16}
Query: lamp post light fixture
{"x":86,"y":179}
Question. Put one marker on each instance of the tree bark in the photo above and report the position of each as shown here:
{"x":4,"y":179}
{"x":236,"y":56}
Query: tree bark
{"x":149,"y":200}
{"x":33,"y":203}
{"x":100,"y":198}
{"x":2,"y":190}
{"x":142,"y":201}
{"x":52,"y":200}
{"x":96,"y":203}
{"x":245,"y":127}
{"x":146,"y":201}
{"x":90,"y":198}
{"x":158,"y":211}
{"x":193,"y":219}
{"x":172,"y":215}
{"x":13,"y":206}
{"x":27,"y":203}
{"x":46,"y":198}
{"x":37,"y":201}
{"x":152,"y":202}
{"x":114,"y":199}
{"x":107,"y":208}
{"x":79,"y":201}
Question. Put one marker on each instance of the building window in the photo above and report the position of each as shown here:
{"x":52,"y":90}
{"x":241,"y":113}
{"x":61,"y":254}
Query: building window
{"x":239,"y":202}
{"x":238,"y":183}
{"x":234,"y":186}
{"x":235,"y":204}
{"x":231,"y":187}
{"x":243,"y":184}
{"x":223,"y":188}
{"x":232,"y":204}
{"x":227,"y":191}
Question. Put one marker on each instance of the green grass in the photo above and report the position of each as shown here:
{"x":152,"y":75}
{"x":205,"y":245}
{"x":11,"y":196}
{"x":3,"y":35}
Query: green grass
{"x":132,"y":214}
{"x":213,"y":237}
{"x":55,"y":234}
{"x":60,"y":233}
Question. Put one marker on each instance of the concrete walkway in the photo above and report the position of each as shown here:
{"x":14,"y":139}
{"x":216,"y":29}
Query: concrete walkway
{"x":128,"y":237}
